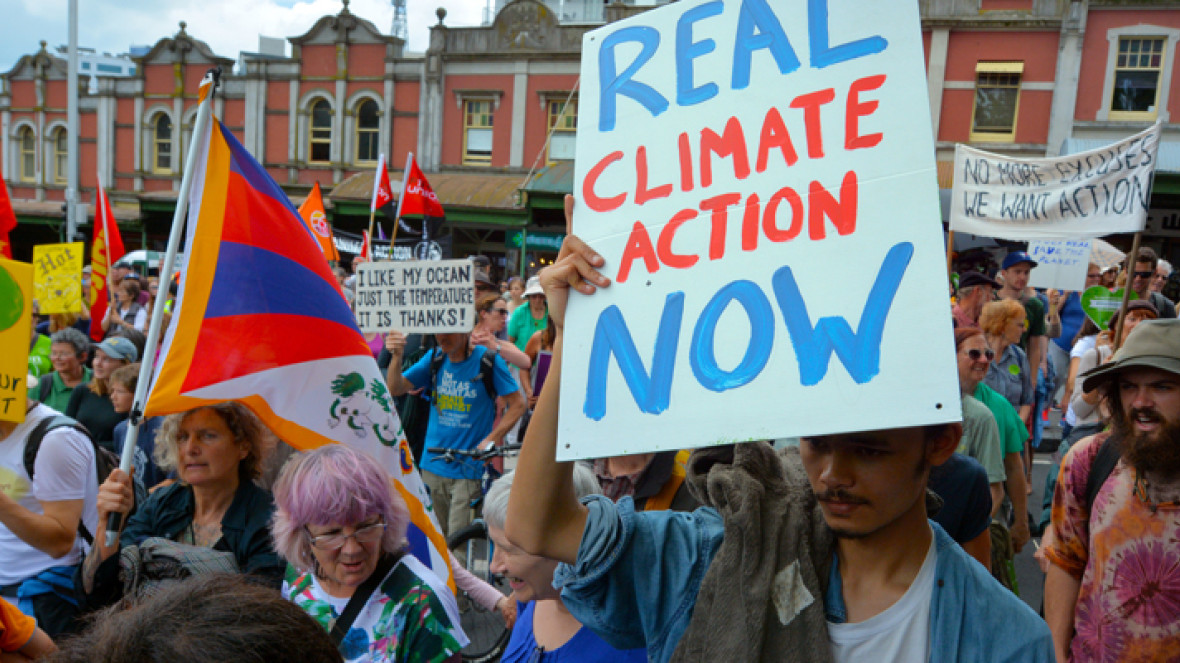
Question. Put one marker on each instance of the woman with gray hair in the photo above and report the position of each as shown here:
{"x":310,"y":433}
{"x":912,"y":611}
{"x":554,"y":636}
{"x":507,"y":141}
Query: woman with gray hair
{"x":545,"y":631}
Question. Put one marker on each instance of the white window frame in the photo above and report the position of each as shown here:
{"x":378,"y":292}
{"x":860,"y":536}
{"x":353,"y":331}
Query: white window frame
{"x":353,"y":127}
{"x":54,"y":176}
{"x":1010,"y":67}
{"x":306,"y":111}
{"x":149,"y":141}
{"x":1171,"y":39}
{"x":19,"y":153}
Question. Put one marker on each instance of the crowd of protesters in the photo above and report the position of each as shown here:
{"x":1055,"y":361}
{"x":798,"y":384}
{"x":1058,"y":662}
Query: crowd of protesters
{"x":878,"y":545}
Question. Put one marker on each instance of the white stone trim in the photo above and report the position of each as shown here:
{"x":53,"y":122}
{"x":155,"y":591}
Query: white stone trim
{"x":1113,"y":35}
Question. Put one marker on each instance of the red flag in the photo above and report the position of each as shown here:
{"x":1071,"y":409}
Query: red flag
{"x":419,"y":197}
{"x":7,"y":219}
{"x":312,"y":211}
{"x":365,"y":247}
{"x":382,"y":192}
{"x":105,"y":251}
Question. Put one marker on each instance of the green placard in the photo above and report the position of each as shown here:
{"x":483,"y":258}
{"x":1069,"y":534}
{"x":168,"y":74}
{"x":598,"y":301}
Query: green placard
{"x":534,"y":241}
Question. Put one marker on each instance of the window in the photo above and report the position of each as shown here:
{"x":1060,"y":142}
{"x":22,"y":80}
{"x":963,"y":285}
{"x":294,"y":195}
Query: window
{"x":61,"y":157}
{"x":1136,"y":77}
{"x":368,"y":131}
{"x":997,"y":98}
{"x":162,"y":144}
{"x":477,"y":132}
{"x":563,"y":125}
{"x":320,"y":135}
{"x":28,"y":155}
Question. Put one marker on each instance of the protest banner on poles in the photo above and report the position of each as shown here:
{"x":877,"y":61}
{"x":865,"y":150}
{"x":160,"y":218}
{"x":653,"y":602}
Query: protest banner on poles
{"x":57,"y":277}
{"x":762,"y":188}
{"x":418,"y":297}
{"x":1061,"y":263}
{"x":16,"y":308}
{"x":1090,"y":194}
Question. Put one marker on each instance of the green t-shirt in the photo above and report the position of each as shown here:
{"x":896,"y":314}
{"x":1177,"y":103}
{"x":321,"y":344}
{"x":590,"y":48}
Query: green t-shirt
{"x":522,"y":325}
{"x":981,"y":439}
{"x":59,"y":394}
{"x":1012,"y":430}
{"x":1034,"y":312}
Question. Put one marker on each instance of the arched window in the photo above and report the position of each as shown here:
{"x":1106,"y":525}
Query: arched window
{"x":320,"y":135}
{"x":162,"y":144}
{"x":368,"y":131}
{"x":28,"y":155}
{"x":61,"y":157}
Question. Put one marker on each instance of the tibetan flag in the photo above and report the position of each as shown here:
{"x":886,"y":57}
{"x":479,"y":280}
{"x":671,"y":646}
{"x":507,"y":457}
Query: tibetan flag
{"x":259,"y":320}
{"x":312,"y":211}
{"x":105,"y":251}
{"x":419,"y":197}
{"x":7,"y":219}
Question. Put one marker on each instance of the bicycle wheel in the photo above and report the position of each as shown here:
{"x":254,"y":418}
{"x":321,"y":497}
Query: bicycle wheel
{"x":484,"y":627}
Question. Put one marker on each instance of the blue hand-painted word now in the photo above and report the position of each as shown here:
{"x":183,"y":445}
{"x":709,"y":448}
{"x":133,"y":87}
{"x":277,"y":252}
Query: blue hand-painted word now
{"x":859,"y":351}
{"x":755,"y":28}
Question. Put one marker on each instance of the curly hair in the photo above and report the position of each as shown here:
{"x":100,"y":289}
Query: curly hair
{"x":333,"y":485}
{"x":998,"y":315}
{"x":242,"y":423}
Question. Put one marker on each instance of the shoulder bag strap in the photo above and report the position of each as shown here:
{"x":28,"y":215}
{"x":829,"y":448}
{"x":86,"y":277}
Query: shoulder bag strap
{"x":361,"y":597}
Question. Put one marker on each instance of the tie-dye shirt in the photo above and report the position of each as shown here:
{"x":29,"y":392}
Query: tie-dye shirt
{"x":1127,"y":555}
{"x":403,"y":621}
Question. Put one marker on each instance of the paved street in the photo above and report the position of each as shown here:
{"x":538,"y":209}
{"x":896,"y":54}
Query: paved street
{"x":1028,"y":573}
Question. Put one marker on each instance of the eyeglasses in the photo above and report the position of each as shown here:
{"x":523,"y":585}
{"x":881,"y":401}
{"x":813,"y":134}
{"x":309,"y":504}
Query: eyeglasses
{"x":976,"y":354}
{"x":1144,"y":275}
{"x":329,"y":542}
{"x":501,"y":311}
{"x":1095,"y":275}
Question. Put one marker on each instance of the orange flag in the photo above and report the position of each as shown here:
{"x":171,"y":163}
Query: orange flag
{"x":7,"y":219}
{"x":312,"y":211}
{"x":105,"y":251}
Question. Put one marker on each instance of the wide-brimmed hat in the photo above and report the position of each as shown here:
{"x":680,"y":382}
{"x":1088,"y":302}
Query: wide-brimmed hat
{"x":1152,"y":344}
{"x":534,"y":287}
{"x":117,"y":347}
{"x":971,"y":279}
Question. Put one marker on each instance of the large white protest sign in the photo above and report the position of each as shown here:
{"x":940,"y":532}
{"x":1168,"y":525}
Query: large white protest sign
{"x":761,"y":184}
{"x":1061,"y":263}
{"x":423,"y":297}
{"x":1089,"y":194}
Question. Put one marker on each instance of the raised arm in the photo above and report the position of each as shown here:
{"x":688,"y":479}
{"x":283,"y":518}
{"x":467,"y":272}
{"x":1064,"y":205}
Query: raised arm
{"x":395,"y":342}
{"x":547,"y":519}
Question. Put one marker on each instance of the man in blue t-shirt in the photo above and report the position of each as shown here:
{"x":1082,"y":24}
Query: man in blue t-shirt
{"x":462,"y":417}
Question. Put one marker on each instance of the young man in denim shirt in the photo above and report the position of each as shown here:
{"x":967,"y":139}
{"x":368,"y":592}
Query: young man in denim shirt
{"x":824,"y":553}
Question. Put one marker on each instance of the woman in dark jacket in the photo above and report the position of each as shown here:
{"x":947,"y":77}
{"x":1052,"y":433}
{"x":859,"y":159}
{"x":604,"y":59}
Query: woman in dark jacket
{"x":216,"y":452}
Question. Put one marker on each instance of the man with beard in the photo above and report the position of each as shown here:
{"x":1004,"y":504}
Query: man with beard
{"x":818,"y":553}
{"x":1113,"y":591}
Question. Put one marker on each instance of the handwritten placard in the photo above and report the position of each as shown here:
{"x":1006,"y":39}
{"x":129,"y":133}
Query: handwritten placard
{"x":425,"y":297}
{"x":16,"y":308}
{"x":1089,"y":194}
{"x":1061,"y":263}
{"x":57,"y":277}
{"x":762,"y":188}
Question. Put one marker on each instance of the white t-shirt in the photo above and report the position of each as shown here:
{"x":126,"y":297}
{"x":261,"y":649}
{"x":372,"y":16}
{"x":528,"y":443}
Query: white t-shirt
{"x":900,"y":633}
{"x":1084,"y":343}
{"x":64,"y":470}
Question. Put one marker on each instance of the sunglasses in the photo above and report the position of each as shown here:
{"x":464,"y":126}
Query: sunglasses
{"x":1093,"y":276}
{"x":501,"y":311}
{"x":1144,"y":275}
{"x":976,"y":354}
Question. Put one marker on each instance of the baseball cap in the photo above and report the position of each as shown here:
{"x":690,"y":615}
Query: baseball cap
{"x":482,"y":277}
{"x":117,"y":347}
{"x":1017,"y":257}
{"x":1152,"y":344}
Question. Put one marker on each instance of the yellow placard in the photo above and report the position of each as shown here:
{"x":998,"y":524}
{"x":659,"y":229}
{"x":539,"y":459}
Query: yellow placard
{"x":57,"y":277}
{"x":16,"y":309}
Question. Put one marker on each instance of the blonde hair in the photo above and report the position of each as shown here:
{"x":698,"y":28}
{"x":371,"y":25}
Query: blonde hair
{"x":998,"y":315}
{"x":242,"y":424}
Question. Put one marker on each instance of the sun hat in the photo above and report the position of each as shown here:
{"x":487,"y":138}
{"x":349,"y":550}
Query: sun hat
{"x":534,"y":287}
{"x":971,"y":279}
{"x":1152,"y":344}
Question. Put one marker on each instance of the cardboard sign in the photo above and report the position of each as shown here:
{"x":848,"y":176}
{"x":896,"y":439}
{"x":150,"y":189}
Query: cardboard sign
{"x":16,"y":309}
{"x":761,"y":185}
{"x":57,"y":277}
{"x":1061,"y":263}
{"x":1090,"y":194}
{"x":419,"y":297}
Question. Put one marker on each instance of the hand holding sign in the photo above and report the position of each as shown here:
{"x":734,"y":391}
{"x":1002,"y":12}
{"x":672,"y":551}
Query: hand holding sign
{"x":1100,"y":304}
{"x":576,"y":268}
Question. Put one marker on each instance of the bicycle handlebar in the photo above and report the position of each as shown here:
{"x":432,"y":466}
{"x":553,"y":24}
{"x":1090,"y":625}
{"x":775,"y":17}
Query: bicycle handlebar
{"x":448,"y":455}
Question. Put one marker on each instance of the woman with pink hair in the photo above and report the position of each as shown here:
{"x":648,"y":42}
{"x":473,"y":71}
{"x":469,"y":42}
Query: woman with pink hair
{"x":342,"y":530}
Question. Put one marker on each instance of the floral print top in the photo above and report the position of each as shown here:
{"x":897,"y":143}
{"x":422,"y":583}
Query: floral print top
{"x":1127,"y":555}
{"x":403,"y":622}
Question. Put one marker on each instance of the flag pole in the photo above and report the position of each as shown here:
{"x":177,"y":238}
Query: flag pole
{"x":373,"y":202}
{"x":148,"y":361}
{"x":397,"y":217}
{"x":1134,"y":255}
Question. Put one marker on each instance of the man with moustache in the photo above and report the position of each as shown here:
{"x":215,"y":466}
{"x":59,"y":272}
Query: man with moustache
{"x":819,"y":553}
{"x":1113,"y":590}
